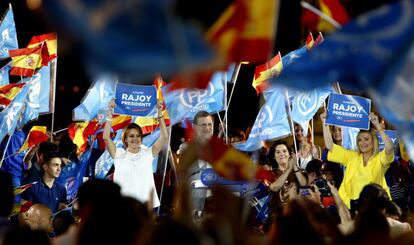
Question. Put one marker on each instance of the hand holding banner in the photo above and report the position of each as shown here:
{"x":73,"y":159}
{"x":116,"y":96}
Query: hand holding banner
{"x":348,"y":110}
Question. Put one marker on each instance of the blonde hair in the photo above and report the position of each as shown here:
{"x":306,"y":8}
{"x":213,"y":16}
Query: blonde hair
{"x":374,"y":140}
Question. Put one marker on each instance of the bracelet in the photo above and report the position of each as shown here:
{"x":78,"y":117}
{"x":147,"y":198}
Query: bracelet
{"x":295,"y":171}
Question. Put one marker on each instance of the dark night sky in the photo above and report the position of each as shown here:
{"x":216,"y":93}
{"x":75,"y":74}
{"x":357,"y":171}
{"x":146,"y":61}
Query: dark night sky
{"x":72,"y":82}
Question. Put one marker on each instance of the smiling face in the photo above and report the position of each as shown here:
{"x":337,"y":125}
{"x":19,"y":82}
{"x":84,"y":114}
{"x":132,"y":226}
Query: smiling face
{"x":299,"y":132}
{"x":132,"y":139}
{"x":281,"y":154}
{"x":204,"y":128}
{"x":365,"y":142}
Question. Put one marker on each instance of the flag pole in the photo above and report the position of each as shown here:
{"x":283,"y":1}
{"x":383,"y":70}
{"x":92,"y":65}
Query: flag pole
{"x":165,"y":168}
{"x":5,"y":149}
{"x":233,"y":81}
{"x":52,"y":103}
{"x":292,"y":126}
{"x":320,"y":14}
{"x":224,"y":81}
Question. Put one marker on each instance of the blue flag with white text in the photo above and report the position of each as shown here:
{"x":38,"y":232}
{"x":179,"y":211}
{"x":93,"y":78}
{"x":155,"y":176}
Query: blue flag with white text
{"x":96,"y":99}
{"x":4,"y":74}
{"x":305,"y":105}
{"x":359,"y":54}
{"x":8,"y":35}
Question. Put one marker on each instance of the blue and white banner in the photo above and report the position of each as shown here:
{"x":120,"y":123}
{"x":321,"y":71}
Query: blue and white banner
{"x":306,"y":104}
{"x":271,"y":122}
{"x":348,"y":110}
{"x":392,"y":134}
{"x":349,"y":138}
{"x":135,"y":100}
{"x":96,"y":99}
{"x":8,"y":35}
{"x":4,"y":74}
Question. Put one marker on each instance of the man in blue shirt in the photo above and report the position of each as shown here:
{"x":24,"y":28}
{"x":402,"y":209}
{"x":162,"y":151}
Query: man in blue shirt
{"x":47,"y":191}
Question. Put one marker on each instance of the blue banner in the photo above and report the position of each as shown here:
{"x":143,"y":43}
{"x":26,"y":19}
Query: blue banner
{"x":4,"y":74}
{"x":8,"y":37}
{"x":135,"y":100}
{"x":306,"y":104}
{"x":392,"y":134}
{"x":96,"y":99}
{"x":348,"y":110}
{"x":271,"y":122}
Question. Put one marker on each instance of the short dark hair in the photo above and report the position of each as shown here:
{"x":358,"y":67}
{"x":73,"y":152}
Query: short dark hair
{"x":314,"y":166}
{"x":51,"y":154}
{"x":47,"y":146}
{"x":272,"y":151}
{"x":201,"y":114}
{"x":373,"y":196}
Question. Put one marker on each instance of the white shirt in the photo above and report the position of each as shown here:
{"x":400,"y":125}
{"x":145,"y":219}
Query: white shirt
{"x":133,"y":172}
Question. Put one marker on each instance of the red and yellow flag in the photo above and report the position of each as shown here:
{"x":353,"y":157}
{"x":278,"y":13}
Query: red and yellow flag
{"x":25,"y":61}
{"x":229,"y":162}
{"x":8,"y":93}
{"x":20,"y":189}
{"x":245,"y":31}
{"x":264,"y":72}
{"x":309,"y":41}
{"x":79,"y":133}
{"x":149,"y":124}
{"x":36,"y":135}
{"x":50,"y":40}
{"x":331,"y":8}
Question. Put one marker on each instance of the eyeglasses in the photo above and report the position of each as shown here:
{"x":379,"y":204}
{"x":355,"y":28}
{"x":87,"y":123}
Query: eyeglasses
{"x":205,"y":125}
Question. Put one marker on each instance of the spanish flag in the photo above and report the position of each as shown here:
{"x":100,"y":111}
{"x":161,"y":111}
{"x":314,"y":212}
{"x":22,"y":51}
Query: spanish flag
{"x":36,"y":135}
{"x":331,"y":8}
{"x":149,"y":124}
{"x":245,"y":31}
{"x":51,"y":43}
{"x":25,"y":61}
{"x":309,"y":41}
{"x":20,"y":189}
{"x":229,"y":162}
{"x":8,"y":92}
{"x":264,"y":72}
{"x":80,"y":131}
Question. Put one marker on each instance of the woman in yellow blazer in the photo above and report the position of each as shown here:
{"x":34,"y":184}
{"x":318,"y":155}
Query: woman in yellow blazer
{"x":364,"y":166}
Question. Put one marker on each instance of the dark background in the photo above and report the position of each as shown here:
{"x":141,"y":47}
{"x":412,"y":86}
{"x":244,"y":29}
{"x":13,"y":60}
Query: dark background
{"x":73,"y":82}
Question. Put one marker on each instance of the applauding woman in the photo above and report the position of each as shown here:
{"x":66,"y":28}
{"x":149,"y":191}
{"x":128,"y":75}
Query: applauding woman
{"x":133,"y":165}
{"x":364,"y":166}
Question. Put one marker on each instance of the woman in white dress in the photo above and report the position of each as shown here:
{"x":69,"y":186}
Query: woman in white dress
{"x":133,"y":165}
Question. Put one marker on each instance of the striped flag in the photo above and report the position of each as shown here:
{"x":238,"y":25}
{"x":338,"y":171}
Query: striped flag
{"x":25,"y":61}
{"x":51,"y":43}
{"x":36,"y":135}
{"x":8,"y":93}
{"x":263,"y":72}
{"x":228,"y":162}
{"x":245,"y":31}
{"x":149,"y":124}
{"x":20,"y":189}
{"x":79,"y":133}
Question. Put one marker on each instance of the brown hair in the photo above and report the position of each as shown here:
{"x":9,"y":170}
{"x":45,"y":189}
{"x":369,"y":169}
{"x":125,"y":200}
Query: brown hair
{"x":129,"y":128}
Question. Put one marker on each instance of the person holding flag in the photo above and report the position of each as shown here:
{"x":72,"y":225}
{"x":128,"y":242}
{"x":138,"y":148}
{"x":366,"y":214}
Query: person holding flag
{"x":364,"y":166}
{"x":133,"y":165}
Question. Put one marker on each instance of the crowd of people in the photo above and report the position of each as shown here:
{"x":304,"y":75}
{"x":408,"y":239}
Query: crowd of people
{"x":330,"y":196}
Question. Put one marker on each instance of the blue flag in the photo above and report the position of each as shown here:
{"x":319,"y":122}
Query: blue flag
{"x":105,"y":161}
{"x":11,"y":115}
{"x":96,"y":99}
{"x":271,"y":122}
{"x":134,"y":39}
{"x":349,"y":138}
{"x":47,"y":87}
{"x":395,"y":101}
{"x":306,"y":104}
{"x":8,"y":35}
{"x":357,"y":55}
{"x":4,"y":74}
